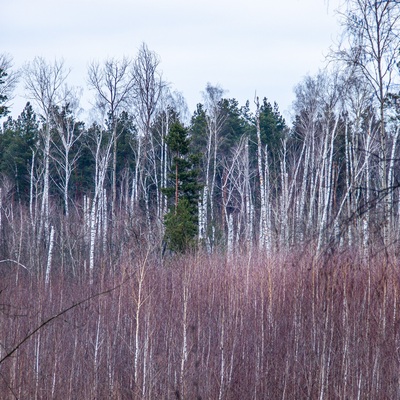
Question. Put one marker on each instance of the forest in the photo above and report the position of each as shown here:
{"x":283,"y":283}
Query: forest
{"x":150,"y":252}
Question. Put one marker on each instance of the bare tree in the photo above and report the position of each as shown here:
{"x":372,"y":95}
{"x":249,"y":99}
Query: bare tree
{"x":372,"y":28}
{"x":8,"y":81}
{"x":148,"y":88}
{"x":215,"y":119}
{"x":43,"y":82}
{"x":113,"y":83}
{"x":262,"y":165}
{"x":357,"y":103}
{"x":101,"y":152}
{"x":69,"y":132}
{"x":317,"y":126}
{"x":237,"y":204}
{"x":307,"y":109}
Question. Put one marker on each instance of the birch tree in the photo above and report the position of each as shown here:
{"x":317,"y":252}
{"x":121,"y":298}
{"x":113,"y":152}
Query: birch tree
{"x":330,"y":124}
{"x":69,"y":131}
{"x":101,"y":151}
{"x":357,"y":104}
{"x":234,"y":192}
{"x":44,"y":82}
{"x":8,"y":81}
{"x":112,"y":83}
{"x":215,"y":119}
{"x":166,"y":116}
{"x":307,"y":109}
{"x":148,"y":88}
{"x":372,"y":29}
{"x":264,"y":242}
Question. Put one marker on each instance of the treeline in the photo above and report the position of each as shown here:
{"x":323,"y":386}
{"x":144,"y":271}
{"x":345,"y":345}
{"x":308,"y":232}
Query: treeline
{"x":249,"y":179}
{"x":127,"y":160}
{"x":229,"y":176}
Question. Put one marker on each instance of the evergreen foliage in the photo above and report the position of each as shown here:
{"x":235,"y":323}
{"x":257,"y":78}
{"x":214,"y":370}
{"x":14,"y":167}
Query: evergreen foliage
{"x":181,"y":220}
{"x":17,"y":145}
{"x":181,"y":227}
{"x":268,"y":185}
{"x":198,"y":130}
{"x":273,"y":131}
{"x":127,"y":142}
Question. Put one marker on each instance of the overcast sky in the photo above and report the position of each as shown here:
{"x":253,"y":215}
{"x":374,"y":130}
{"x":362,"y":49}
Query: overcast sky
{"x":261,"y":46}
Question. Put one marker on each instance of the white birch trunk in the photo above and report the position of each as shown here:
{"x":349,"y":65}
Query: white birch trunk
{"x":366,"y":219}
{"x":328,"y":182}
{"x":164,"y":169}
{"x":104,"y":220}
{"x":184,"y":354}
{"x":99,"y":215}
{"x":156,"y":179}
{"x":66,"y":194}
{"x":212,"y":216}
{"x":214,"y":120}
{"x":248,"y":202}
{"x":349,"y":177}
{"x":137,"y":320}
{"x":93,"y":229}
{"x":203,"y":218}
{"x":135,"y":181}
{"x":37,"y":361}
{"x":146,"y":356}
{"x":147,"y":206}
{"x":49,"y":257}
{"x":268,"y":223}
{"x":86,"y":218}
{"x":313,"y":185}
{"x":284,"y":203}
{"x":203,"y":209}
{"x":102,"y":161}
{"x":44,"y":222}
{"x":133,"y":196}
{"x":300,"y":212}
{"x":291,"y":197}
{"x":97,"y":345}
{"x":390,"y":179}
{"x":322,"y":192}
{"x":231,"y":235}
{"x":31,"y":179}
{"x":222,"y":351}
{"x":263,"y":210}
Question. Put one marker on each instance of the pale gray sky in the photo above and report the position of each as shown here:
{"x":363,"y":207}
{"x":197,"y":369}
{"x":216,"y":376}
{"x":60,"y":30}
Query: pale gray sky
{"x":253,"y":46}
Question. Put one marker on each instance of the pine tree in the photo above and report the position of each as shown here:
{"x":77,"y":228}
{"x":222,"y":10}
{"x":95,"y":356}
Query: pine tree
{"x":182,"y":219}
{"x":17,"y":142}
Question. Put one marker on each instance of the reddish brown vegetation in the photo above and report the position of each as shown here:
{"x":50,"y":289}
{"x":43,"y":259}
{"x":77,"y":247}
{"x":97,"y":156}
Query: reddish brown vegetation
{"x":199,"y":328}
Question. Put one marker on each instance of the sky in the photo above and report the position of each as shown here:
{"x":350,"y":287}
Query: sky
{"x":250,"y":47}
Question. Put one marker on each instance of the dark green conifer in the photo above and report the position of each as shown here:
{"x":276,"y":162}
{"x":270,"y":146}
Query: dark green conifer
{"x":181,"y":220}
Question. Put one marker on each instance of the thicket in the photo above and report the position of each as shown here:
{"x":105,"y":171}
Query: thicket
{"x":285,"y":325}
